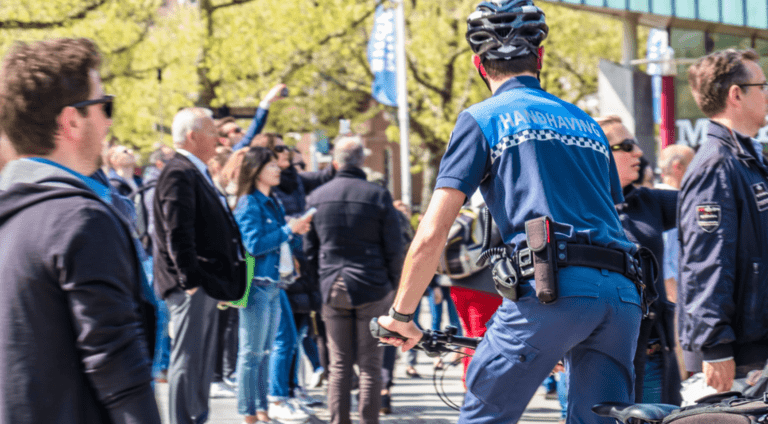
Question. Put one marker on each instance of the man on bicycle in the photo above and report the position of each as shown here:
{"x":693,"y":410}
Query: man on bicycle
{"x":533,"y":155}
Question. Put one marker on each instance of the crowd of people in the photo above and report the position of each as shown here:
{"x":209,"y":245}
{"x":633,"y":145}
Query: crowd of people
{"x":226,"y":264}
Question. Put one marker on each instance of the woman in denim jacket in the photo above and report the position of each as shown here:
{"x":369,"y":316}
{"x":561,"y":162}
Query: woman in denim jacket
{"x":261,"y":219}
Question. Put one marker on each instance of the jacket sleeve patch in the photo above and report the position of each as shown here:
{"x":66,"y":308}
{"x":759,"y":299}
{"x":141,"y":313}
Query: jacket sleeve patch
{"x":708,"y":217}
{"x":761,"y":196}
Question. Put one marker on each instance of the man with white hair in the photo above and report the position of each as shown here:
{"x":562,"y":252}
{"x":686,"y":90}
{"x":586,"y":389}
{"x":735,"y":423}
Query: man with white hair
{"x":354,"y":247}
{"x":196,"y":244}
{"x":673,"y":161}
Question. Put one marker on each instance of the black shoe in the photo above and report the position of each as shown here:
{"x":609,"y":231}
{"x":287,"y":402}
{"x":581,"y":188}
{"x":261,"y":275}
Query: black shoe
{"x":412,"y":373}
{"x":551,"y":395}
{"x":386,"y":405}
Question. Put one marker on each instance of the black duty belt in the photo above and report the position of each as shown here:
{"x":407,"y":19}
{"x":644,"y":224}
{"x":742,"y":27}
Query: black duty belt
{"x":570,"y":254}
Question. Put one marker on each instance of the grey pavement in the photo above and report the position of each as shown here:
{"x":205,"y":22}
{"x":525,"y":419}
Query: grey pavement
{"x":414,"y":401}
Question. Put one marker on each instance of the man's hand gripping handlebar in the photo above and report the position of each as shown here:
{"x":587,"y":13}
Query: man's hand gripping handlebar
{"x":400,"y":334}
{"x":408,"y":336}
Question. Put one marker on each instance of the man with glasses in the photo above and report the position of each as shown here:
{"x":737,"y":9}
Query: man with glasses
{"x":232,"y":136}
{"x":73,"y":348}
{"x":723,"y":222}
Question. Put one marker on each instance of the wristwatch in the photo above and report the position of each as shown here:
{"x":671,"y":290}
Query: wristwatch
{"x":397,"y":316}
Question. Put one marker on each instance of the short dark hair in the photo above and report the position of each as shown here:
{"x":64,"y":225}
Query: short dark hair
{"x":503,"y":68}
{"x":37,"y":81}
{"x":713,"y":75}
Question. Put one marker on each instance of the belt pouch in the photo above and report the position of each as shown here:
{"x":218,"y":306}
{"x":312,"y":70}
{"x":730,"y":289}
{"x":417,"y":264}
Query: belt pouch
{"x":541,"y":240}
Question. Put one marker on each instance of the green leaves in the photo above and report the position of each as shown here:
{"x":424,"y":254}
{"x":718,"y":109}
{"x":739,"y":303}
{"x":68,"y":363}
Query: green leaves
{"x":232,"y":52}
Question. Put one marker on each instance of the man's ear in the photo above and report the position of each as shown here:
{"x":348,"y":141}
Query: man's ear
{"x":69,"y":123}
{"x":734,"y":93}
{"x":335,"y":165}
{"x":191,"y":142}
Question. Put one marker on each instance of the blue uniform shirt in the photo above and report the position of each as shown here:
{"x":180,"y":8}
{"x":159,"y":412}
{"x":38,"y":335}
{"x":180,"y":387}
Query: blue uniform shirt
{"x":533,"y":154}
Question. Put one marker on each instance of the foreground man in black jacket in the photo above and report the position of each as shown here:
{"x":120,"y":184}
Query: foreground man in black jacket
{"x":72,"y":347}
{"x":723,"y":222}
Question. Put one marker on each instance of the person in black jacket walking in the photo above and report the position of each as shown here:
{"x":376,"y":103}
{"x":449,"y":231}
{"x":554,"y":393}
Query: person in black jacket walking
{"x":355,"y":249}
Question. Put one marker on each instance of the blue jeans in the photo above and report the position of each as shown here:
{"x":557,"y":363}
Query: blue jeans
{"x":162,"y":353}
{"x":309,"y":345}
{"x":437,"y":309}
{"x":550,"y":384}
{"x":654,"y":368}
{"x":257,"y":328}
{"x":594,"y":325}
{"x":285,"y":345}
{"x":562,"y":393}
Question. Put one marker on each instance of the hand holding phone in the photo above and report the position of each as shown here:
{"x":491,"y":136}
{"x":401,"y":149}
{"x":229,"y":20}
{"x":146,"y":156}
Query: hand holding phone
{"x":308,"y":213}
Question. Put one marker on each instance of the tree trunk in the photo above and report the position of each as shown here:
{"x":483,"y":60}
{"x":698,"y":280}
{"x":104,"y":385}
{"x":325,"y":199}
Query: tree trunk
{"x":429,"y":174}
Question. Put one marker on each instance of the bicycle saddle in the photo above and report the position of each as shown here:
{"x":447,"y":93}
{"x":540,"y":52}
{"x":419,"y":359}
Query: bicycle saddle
{"x":629,"y":413}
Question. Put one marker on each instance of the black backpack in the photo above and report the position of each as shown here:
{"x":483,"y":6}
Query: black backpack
{"x":142,"y":214}
{"x":722,"y":408}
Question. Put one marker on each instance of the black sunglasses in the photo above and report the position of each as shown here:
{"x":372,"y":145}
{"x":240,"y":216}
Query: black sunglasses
{"x":627,"y":145}
{"x":105,"y":101}
{"x":762,"y":85}
{"x":280,"y":149}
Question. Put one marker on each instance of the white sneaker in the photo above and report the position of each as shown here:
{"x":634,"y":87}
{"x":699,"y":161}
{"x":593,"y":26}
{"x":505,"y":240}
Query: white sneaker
{"x":286,"y":412}
{"x":221,"y":390}
{"x":231,"y":381}
{"x":316,"y":379}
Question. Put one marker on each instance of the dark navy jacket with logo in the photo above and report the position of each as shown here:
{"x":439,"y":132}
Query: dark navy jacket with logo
{"x":723,"y":222}
{"x":533,"y":154}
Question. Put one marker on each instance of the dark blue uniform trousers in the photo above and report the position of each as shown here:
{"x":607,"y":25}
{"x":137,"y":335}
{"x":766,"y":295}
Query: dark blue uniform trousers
{"x":594,"y":325}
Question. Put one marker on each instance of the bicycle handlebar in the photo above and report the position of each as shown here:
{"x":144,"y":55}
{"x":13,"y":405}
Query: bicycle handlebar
{"x":432,"y":342}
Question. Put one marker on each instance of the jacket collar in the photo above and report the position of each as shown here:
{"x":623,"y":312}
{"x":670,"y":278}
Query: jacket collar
{"x":351,"y":172}
{"x":518,"y":82}
{"x":740,"y":145}
{"x":208,"y":183}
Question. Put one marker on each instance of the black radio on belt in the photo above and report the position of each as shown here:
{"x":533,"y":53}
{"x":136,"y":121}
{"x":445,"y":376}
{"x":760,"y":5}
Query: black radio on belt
{"x":540,"y":234}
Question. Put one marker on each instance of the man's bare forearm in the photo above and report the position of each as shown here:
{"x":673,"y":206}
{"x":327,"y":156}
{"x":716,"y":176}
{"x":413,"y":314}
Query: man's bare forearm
{"x":424,"y":254}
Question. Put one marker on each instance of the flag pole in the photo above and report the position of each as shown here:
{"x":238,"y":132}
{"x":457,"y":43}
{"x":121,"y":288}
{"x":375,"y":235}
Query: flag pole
{"x":402,"y":102}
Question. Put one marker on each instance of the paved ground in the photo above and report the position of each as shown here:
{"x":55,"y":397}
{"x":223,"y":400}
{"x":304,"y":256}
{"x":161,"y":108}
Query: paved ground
{"x":414,"y":401}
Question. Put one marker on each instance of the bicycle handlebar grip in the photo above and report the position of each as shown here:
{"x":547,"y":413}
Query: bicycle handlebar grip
{"x":378,"y":331}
